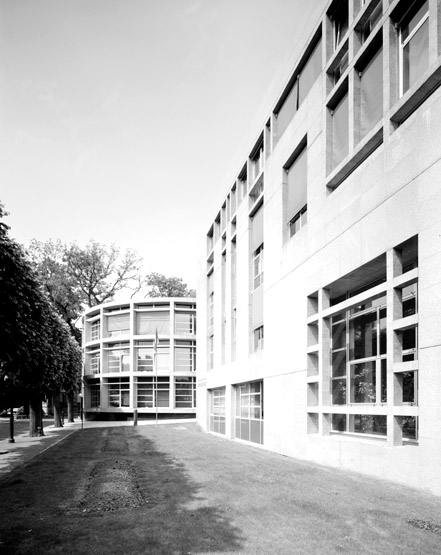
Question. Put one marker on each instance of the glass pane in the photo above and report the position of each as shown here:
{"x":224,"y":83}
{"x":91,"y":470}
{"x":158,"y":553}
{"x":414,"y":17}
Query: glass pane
{"x":244,"y":430}
{"x":409,"y":339}
{"x":384,"y":381}
{"x":371,"y":94}
{"x":340,"y":132}
{"x":409,"y":387}
{"x":363,"y":383}
{"x":339,"y":335}
{"x":409,"y":427}
{"x":339,"y":392}
{"x":370,"y":424}
{"x":339,"y":364}
{"x":255,"y":432}
{"x":416,"y":56}
{"x":339,"y":422}
{"x":363,"y":336}
{"x":412,"y":24}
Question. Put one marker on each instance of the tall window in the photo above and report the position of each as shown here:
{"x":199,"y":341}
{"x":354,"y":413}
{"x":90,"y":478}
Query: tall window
{"x":144,"y":356}
{"x":296,"y":177}
{"x":210,"y":353}
{"x":414,"y":43}
{"x":95,"y":396}
{"x":258,"y":339}
{"x":340,"y":131}
{"x":371,"y":93}
{"x":258,"y":266}
{"x":249,"y":412}
{"x":95,"y":328}
{"x":217,"y":410}
{"x":185,"y":393}
{"x":185,"y":356}
{"x":359,"y":354}
{"x":95,"y":363}
{"x":340,"y":21}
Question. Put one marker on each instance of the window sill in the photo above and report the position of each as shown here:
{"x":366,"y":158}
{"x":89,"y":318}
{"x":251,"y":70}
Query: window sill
{"x":415,"y":96}
{"x":362,"y":151}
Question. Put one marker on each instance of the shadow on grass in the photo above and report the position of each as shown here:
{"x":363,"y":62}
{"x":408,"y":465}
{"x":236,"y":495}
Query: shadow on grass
{"x":55,"y":504}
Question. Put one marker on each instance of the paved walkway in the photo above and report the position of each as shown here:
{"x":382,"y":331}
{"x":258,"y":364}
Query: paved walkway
{"x":25,"y":448}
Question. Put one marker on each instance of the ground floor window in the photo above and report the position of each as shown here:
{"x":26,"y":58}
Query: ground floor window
{"x":153,"y":392}
{"x":95,"y":396}
{"x":369,"y":424}
{"x":185,"y":393}
{"x":217,"y":410}
{"x":119,"y":392}
{"x":249,"y":412}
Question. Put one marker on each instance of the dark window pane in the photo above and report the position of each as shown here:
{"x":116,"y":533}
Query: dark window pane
{"x":339,"y":335}
{"x":409,"y":387}
{"x":339,"y":392}
{"x":363,"y":383}
{"x":370,"y":424}
{"x":339,"y":364}
{"x":363,"y":336}
{"x":409,"y":427}
{"x":339,"y":422}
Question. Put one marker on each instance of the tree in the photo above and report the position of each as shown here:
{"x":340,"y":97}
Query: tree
{"x":100,"y":272}
{"x":161,"y":286}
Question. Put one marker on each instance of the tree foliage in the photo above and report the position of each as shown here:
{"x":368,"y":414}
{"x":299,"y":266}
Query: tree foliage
{"x":160,"y":286}
{"x":37,"y":350}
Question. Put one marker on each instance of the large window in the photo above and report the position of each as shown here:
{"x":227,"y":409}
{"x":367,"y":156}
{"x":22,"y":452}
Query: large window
{"x":185,"y":393}
{"x":185,"y":356}
{"x":95,"y":396}
{"x":217,"y":410}
{"x":118,"y":358}
{"x":185,"y":323}
{"x":119,"y":392}
{"x":296,"y":179}
{"x":153,"y":392}
{"x":95,"y":328}
{"x":359,"y":369}
{"x":118,"y":325}
{"x":414,"y":44}
{"x":150,"y":322}
{"x":249,"y":412}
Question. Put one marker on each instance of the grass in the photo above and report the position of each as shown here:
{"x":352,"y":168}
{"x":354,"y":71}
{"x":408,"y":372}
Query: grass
{"x":175,"y":490}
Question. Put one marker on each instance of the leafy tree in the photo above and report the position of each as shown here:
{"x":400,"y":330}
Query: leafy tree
{"x":100,"y":272}
{"x":161,"y":286}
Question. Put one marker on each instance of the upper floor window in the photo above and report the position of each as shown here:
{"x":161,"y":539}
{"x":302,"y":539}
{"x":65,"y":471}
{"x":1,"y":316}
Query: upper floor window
{"x":296,"y":171}
{"x":413,"y":31}
{"x":340,"y":21}
{"x":371,"y":93}
{"x":258,"y":339}
{"x":185,"y":323}
{"x":340,"y":131}
{"x":118,"y":325}
{"x":95,"y":328}
{"x":258,"y":267}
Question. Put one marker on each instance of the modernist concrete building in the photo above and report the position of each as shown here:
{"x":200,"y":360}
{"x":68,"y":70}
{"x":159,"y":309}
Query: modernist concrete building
{"x":140,"y":355}
{"x":321,"y":318}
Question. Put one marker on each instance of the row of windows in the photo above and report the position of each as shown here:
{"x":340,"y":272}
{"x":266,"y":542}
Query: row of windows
{"x":117,"y":357}
{"x":150,"y":393}
{"x":146,"y":323}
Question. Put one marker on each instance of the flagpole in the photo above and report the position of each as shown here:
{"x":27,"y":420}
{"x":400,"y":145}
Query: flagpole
{"x":155,"y":362}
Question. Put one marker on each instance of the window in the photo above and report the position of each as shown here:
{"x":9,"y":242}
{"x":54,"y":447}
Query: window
{"x":210,"y":352}
{"x":257,"y":160}
{"x":95,"y":329}
{"x":144,"y":356}
{"x":95,"y":396}
{"x":340,"y":21}
{"x":413,"y":29}
{"x":296,"y":178}
{"x":359,"y":369}
{"x":95,"y":363}
{"x":119,"y":392}
{"x":341,"y":66}
{"x":249,"y":412}
{"x":185,"y":356}
{"x":371,"y":22}
{"x":185,"y":323}
{"x":118,"y":325}
{"x":371,"y":93}
{"x":258,"y":339}
{"x":217,"y":410}
{"x":153,"y":392}
{"x":185,"y":393}
{"x":118,"y":359}
{"x":210,"y":292}
{"x":340,"y":131}
{"x":310,"y":71}
{"x":148,"y":322}
{"x":372,"y":425}
{"x":258,"y":267}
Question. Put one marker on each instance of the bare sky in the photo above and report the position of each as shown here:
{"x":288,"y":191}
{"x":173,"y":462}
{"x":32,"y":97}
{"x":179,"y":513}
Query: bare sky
{"x":122,"y":120}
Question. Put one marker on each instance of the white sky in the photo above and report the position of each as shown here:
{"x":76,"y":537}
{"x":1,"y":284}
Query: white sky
{"x":123,"y":120}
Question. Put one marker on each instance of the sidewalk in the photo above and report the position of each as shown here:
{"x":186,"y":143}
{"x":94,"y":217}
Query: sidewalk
{"x":25,"y":448}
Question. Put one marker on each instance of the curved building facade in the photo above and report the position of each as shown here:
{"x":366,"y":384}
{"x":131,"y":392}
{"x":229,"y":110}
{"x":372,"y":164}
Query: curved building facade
{"x":140,"y":356}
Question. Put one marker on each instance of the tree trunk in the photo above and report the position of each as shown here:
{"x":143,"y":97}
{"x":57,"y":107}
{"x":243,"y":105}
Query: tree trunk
{"x":56,"y":401}
{"x":35,"y":416}
{"x":70,"y":406}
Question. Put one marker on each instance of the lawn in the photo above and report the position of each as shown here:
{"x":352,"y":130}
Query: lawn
{"x":172,"y":489}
